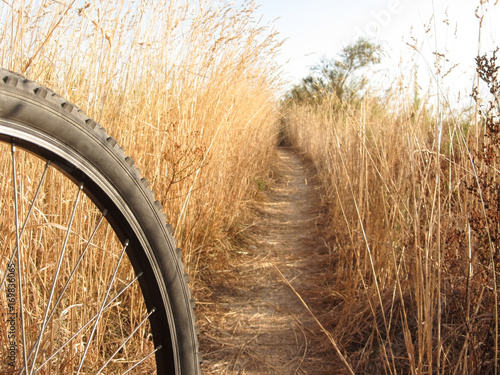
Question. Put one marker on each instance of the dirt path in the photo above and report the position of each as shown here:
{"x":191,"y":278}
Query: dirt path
{"x":254,"y":322}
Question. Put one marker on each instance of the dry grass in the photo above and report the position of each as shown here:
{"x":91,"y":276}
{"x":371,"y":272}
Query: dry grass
{"x":406,"y":278}
{"x":413,"y":191}
{"x":188,"y":88}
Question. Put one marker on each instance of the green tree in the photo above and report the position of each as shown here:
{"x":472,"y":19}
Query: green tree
{"x":338,"y":75}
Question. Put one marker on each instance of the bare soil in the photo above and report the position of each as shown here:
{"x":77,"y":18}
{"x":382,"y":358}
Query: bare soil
{"x":252,"y":321}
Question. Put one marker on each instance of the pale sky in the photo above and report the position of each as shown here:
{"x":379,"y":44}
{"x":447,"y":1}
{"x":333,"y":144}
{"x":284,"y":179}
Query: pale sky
{"x":316,"y":28}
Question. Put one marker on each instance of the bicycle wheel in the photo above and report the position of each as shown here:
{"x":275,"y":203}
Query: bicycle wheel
{"x":91,"y":280}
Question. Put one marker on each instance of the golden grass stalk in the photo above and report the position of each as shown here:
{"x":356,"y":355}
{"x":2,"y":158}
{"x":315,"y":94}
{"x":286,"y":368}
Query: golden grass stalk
{"x":327,"y":334}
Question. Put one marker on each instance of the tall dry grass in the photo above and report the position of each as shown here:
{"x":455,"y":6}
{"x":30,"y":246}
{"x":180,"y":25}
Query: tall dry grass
{"x":188,"y":88}
{"x":413,"y":286}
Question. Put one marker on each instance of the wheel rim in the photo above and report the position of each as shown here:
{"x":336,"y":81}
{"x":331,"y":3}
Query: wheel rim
{"x":71,"y":301}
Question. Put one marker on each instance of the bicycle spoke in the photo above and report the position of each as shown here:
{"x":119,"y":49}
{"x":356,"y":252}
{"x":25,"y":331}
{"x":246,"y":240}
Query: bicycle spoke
{"x":142,"y":360}
{"x":73,"y":272}
{"x":32,"y":206}
{"x":80,"y":258}
{"x":18,"y":253}
{"x":108,"y":305}
{"x":56,"y":276}
{"x":126,"y":340}
{"x":102,"y":306}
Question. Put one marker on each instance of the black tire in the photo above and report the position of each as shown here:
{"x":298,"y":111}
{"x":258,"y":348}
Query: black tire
{"x":36,"y":121}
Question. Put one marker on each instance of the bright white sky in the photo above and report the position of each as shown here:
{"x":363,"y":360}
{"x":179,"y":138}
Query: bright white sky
{"x":316,"y":28}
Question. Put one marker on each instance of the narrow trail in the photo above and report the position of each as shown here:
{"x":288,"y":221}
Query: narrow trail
{"x":255,"y":322}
